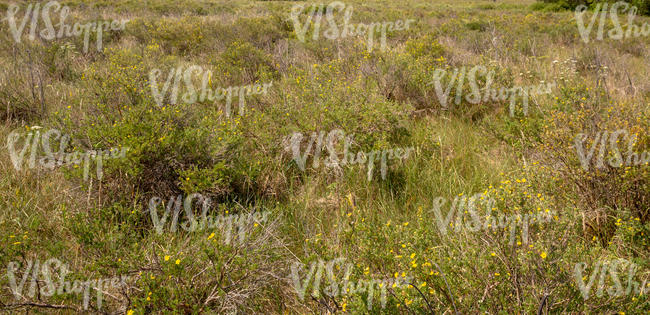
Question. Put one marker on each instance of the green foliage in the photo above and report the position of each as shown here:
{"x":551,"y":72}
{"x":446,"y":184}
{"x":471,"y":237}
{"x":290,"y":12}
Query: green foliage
{"x":557,"y":5}
{"x":382,"y":99}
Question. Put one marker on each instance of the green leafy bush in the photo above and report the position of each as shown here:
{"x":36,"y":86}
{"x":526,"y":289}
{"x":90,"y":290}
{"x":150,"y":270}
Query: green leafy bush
{"x":556,"y":5}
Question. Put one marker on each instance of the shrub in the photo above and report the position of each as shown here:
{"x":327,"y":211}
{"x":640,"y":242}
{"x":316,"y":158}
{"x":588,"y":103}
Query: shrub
{"x":556,"y":5}
{"x":603,"y":192}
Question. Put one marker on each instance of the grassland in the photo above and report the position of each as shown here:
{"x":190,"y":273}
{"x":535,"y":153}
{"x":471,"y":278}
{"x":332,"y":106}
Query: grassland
{"x":385,"y":228}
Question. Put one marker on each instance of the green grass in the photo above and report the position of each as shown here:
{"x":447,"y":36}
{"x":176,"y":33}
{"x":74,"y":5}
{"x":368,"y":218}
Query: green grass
{"x":101,"y":228}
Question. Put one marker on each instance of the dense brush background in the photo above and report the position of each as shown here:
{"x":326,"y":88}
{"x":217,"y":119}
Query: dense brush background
{"x":100,"y":228}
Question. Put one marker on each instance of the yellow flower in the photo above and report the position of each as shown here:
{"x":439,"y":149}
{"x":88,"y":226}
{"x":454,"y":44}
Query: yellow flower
{"x":211,"y":236}
{"x":543,"y":255}
{"x":166,"y":257}
{"x":129,"y":312}
{"x":178,"y":261}
{"x":493,"y":254}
